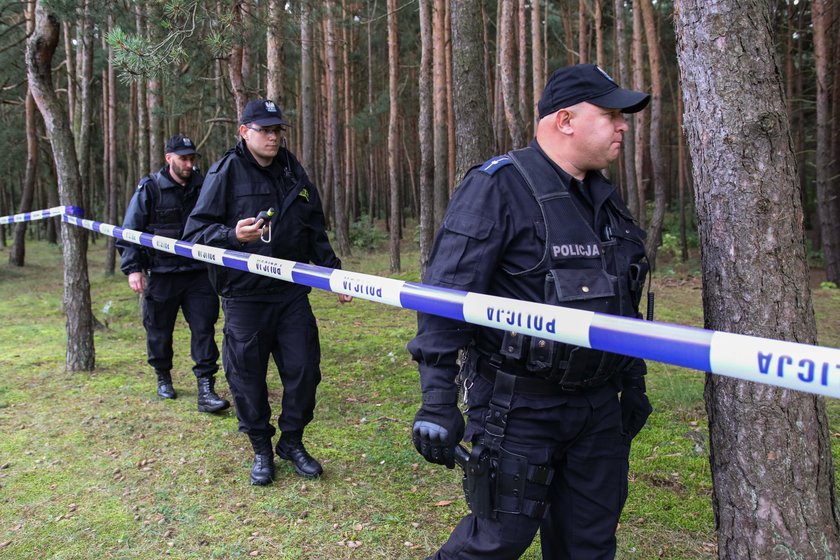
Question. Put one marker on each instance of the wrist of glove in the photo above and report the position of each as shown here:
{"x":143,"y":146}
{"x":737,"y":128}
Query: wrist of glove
{"x":437,"y":430}
{"x":635,"y":406}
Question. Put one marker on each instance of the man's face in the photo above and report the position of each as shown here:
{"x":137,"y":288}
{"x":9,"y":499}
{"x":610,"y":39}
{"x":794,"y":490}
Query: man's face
{"x":598,"y":135}
{"x":263,"y":141}
{"x":180,"y":167}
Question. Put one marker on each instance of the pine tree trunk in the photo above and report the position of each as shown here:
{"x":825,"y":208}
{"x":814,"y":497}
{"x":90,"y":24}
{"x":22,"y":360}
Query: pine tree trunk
{"x":629,"y":151}
{"x":274,"y":53}
{"x":17,"y":256}
{"x":342,"y":237}
{"x":537,"y":61}
{"x":773,"y":478}
{"x":393,"y":140}
{"x":640,"y":140}
{"x":507,"y":72}
{"x":40,"y":48}
{"x":440,"y":129}
{"x":828,"y":206}
{"x":657,"y":158}
{"x":424,"y":127}
{"x":473,"y":128}
{"x":111,"y":147}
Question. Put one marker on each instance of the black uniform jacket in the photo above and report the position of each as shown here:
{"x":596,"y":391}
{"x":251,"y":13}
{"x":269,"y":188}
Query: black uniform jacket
{"x":493,"y":241}
{"x":237,"y":187}
{"x":159,"y":206}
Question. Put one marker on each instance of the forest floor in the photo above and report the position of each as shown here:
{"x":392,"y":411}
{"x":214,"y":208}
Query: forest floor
{"x":93,"y":465}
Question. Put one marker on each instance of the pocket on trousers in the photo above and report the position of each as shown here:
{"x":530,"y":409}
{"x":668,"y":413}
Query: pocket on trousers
{"x":241,"y":353}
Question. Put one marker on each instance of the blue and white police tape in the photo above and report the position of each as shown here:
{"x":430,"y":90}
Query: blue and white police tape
{"x":814,"y":369}
{"x":41,"y":214}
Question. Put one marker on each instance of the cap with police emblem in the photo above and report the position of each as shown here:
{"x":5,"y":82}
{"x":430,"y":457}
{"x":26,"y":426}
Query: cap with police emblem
{"x":263,"y":112}
{"x":181,"y":145}
{"x":588,"y":82}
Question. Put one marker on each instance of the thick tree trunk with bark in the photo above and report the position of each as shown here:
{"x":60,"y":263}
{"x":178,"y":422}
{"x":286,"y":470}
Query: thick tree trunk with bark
{"x":40,"y":48}
{"x":537,"y":60}
{"x":770,"y":454}
{"x":473,"y":128}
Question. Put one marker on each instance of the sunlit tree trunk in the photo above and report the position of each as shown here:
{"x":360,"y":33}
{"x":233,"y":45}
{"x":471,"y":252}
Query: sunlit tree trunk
{"x":307,"y":88}
{"x":640,"y":140}
{"x":772,"y":473}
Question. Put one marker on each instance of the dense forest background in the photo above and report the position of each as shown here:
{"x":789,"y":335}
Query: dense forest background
{"x":372,"y":90}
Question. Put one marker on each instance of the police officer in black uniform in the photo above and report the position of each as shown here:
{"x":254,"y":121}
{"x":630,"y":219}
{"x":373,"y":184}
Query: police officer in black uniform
{"x":550,"y":436}
{"x":160,"y":206}
{"x":264,"y":316}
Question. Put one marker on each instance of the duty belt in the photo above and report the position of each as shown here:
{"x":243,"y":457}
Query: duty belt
{"x":528,"y":382}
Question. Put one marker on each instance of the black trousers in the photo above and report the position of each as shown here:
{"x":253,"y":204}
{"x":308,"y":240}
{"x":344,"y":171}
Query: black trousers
{"x":287,"y":331}
{"x":192,"y":293}
{"x":580,"y":435}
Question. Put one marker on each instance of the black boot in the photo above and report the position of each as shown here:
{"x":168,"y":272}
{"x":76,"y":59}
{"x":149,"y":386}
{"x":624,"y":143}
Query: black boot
{"x":292,"y":449}
{"x":262,"y":473}
{"x":164,"y":385}
{"x":208,"y":400}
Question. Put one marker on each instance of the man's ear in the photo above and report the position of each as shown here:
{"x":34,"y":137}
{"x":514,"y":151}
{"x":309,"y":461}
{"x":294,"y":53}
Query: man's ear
{"x":562,"y":120}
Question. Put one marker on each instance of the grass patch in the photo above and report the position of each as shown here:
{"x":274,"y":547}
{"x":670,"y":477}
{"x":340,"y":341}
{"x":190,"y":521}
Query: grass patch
{"x":94,"y":465}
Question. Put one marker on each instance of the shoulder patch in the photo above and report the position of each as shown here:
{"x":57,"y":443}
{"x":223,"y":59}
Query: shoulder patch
{"x":143,"y":182}
{"x":494,"y":164}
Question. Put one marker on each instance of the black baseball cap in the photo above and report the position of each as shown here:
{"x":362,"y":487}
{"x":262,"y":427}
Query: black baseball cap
{"x":181,"y":145}
{"x":263,"y":112}
{"x":571,"y":85}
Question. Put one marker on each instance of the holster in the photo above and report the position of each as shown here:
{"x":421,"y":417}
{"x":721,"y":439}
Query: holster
{"x":478,"y":482}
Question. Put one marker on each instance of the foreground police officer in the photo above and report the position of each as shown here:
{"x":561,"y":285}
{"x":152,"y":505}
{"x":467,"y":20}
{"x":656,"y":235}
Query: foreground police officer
{"x":550,"y":437}
{"x":263,"y":316}
{"x":160,"y":206}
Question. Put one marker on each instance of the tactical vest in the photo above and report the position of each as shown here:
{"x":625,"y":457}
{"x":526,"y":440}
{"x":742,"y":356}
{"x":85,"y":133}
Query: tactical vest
{"x":170,"y":209}
{"x":602,"y":272}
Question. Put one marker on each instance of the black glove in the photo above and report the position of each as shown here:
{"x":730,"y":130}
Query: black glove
{"x":437,"y":430}
{"x":635,"y":406}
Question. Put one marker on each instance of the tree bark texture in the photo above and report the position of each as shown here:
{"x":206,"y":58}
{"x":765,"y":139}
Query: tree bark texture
{"x":657,"y":157}
{"x":629,"y":150}
{"x":274,"y":53}
{"x":17,"y":256}
{"x":507,"y":72}
{"x":342,"y":237}
{"x":770,"y":451}
{"x":40,"y":48}
{"x":439,"y":105}
{"x":828,"y":187}
{"x":473,"y":128}
{"x":424,"y":127}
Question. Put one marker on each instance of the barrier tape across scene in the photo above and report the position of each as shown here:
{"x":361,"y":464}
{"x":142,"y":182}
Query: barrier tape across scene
{"x":791,"y":365}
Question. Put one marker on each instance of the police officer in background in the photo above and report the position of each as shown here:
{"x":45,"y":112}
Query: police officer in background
{"x":160,"y":206}
{"x":265,"y":316}
{"x":550,"y":436}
